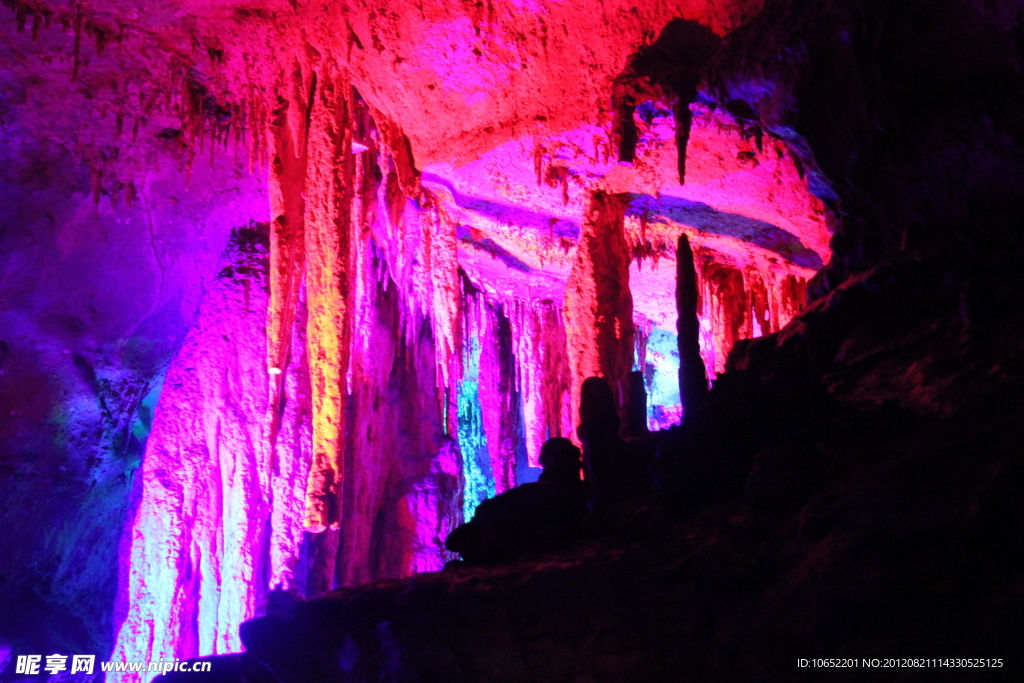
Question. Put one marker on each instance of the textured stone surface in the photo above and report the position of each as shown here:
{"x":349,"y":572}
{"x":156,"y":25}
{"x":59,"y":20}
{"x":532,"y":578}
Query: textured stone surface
{"x":598,"y":303}
{"x":96,"y":293}
{"x":204,"y":509}
{"x":853,"y":486}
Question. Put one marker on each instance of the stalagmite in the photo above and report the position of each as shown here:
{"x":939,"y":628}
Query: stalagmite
{"x":636,"y":409}
{"x":598,"y":304}
{"x":693,"y":383}
{"x":286,"y":185}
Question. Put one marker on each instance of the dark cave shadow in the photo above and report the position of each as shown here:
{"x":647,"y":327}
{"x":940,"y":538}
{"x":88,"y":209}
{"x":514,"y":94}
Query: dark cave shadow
{"x":491,"y":247}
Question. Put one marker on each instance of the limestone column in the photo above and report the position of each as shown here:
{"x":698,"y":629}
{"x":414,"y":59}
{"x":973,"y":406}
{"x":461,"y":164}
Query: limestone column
{"x":598,"y":306}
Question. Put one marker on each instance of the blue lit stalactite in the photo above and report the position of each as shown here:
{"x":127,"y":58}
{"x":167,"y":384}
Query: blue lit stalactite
{"x":476,"y":475}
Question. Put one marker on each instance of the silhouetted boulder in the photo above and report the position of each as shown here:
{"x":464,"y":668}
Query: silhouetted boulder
{"x":614,"y":470}
{"x":539,"y":516}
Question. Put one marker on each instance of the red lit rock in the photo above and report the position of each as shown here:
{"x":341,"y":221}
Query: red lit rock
{"x":328,"y":189}
{"x":598,"y":304}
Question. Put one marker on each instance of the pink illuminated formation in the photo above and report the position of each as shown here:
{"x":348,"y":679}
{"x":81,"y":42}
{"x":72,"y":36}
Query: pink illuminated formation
{"x":425,"y":323}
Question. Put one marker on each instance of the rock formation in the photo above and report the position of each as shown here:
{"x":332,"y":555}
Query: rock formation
{"x":288,"y":289}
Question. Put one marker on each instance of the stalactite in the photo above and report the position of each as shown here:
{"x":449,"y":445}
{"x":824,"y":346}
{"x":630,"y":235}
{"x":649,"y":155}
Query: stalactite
{"x":400,"y":150}
{"x":424,"y":471}
{"x":421,"y":247}
{"x":286,"y":185}
{"x":291,"y":458}
{"x":478,"y":482}
{"x":373,"y":410}
{"x":330,"y":178}
{"x":441,"y":279}
{"x":761,"y":321}
{"x":498,"y":395}
{"x":542,"y":373}
{"x":493,"y":402}
{"x":726,"y":309}
{"x":684,"y":122}
{"x":598,"y":303}
{"x":415,"y":466}
{"x":400,"y":497}
{"x":642,"y":328}
{"x":373,"y":351}
{"x":792,"y":297}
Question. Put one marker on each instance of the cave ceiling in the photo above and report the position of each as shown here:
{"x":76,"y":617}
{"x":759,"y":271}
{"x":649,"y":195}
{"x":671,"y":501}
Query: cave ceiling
{"x":507,"y":108}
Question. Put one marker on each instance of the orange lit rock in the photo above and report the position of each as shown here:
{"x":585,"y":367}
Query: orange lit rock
{"x":330,"y":178}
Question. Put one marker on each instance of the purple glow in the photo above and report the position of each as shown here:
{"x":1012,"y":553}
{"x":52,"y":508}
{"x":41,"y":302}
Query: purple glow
{"x":203,"y":521}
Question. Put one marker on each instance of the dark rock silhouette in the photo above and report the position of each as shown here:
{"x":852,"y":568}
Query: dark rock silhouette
{"x":693,"y":382}
{"x":636,"y":409}
{"x":539,"y":516}
{"x":614,"y":469}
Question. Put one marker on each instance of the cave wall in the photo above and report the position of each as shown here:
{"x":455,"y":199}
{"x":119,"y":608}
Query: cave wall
{"x":98,"y":290}
{"x":111,"y":237}
{"x":207,"y":482}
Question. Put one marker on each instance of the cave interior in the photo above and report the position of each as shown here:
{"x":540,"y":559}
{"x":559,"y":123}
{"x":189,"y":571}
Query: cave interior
{"x":288,"y":288}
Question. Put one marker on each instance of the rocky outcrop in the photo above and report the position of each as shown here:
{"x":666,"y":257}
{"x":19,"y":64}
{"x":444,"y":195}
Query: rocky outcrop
{"x":906,"y":118}
{"x":95,"y":298}
{"x":876,"y":534}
